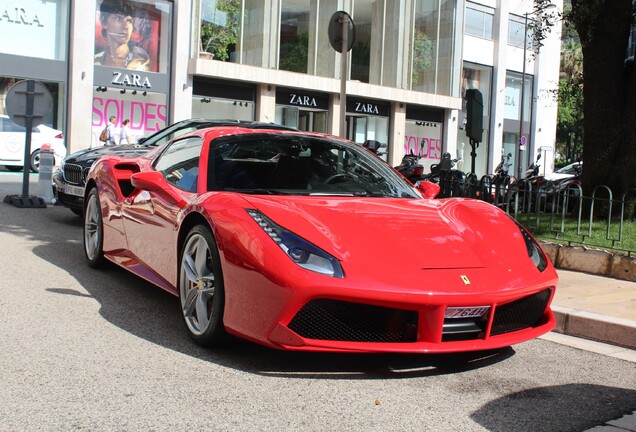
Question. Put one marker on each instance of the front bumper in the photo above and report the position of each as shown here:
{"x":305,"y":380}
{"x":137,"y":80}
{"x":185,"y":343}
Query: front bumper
{"x":60,"y":187}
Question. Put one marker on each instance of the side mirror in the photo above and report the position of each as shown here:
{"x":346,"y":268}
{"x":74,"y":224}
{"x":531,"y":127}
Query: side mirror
{"x":428,"y":189}
{"x":154,"y":181}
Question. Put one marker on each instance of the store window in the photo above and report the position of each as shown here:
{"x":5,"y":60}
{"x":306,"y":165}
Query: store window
{"x":435,"y":58}
{"x":516,"y":27}
{"x":424,"y":139}
{"x":512,"y":99}
{"x":361,"y":50}
{"x":479,"y":21}
{"x":477,"y":77}
{"x":294,"y":36}
{"x":368,"y":120}
{"x":220,"y":29}
{"x":424,"y":132}
{"x":515,"y":132}
{"x":131,"y":66}
{"x":216,"y":99}
{"x":146,"y":111}
{"x":306,"y":111}
{"x":34,"y":28}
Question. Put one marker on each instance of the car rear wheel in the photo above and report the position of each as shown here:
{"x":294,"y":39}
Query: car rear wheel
{"x":201,"y":290}
{"x":93,"y":230}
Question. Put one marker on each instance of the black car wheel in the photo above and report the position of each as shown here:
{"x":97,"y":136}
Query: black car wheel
{"x":34,"y":161}
{"x":93,"y":230}
{"x":201,"y":290}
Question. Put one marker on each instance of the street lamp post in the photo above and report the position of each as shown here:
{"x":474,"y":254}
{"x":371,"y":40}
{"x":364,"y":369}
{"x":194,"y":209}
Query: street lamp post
{"x":522,"y":102}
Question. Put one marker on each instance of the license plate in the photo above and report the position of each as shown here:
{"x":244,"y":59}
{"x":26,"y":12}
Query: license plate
{"x":74,"y":190}
{"x":466,"y":312}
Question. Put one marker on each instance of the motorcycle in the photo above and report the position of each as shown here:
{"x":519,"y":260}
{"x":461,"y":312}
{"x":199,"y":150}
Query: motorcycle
{"x":501,"y":181}
{"x":411,"y":168}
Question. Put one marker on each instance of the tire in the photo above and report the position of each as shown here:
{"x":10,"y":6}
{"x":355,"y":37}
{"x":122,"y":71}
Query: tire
{"x":77,"y":211}
{"x":201,"y":289}
{"x":34,"y":161}
{"x":93,"y":231}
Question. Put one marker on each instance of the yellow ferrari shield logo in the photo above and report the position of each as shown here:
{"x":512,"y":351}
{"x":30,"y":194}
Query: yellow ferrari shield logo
{"x":465,"y":279}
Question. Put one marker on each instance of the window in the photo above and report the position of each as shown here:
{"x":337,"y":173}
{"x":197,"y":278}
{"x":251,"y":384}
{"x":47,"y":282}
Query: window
{"x":179,"y":163}
{"x":516,"y":25}
{"x":479,"y":22}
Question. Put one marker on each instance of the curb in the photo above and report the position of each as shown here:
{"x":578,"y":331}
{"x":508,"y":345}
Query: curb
{"x":591,"y":260}
{"x":601,"y":328}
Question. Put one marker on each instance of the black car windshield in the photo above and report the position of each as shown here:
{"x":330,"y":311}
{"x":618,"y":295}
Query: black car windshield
{"x":275,"y":163}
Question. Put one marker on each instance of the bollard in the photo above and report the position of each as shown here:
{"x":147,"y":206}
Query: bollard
{"x":45,"y":177}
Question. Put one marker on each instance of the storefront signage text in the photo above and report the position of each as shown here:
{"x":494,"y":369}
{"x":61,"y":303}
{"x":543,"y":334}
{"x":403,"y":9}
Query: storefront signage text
{"x":366,"y":108}
{"x":148,"y":117}
{"x":19,"y":15}
{"x":302,"y":100}
{"x":131,"y":80}
{"x":428,"y":148}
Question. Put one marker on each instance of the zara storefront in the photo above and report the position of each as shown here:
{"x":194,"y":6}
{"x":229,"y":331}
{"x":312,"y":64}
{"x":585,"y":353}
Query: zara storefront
{"x":155,"y":62}
{"x":35,"y":35}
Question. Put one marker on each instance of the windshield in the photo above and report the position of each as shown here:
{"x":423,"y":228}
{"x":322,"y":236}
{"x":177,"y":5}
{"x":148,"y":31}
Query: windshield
{"x":570,"y":169}
{"x":301,"y":165}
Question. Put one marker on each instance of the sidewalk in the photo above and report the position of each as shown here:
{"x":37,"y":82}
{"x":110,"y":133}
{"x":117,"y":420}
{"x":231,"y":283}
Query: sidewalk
{"x":596,"y":307}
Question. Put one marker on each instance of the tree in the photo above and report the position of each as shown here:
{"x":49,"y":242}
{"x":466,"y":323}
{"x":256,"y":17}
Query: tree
{"x":570,"y":131}
{"x":609,"y":90}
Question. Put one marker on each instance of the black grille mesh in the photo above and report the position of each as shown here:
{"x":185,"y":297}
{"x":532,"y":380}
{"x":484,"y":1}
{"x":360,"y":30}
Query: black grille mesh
{"x":325,"y":319}
{"x":519,"y":314}
{"x":74,"y":174}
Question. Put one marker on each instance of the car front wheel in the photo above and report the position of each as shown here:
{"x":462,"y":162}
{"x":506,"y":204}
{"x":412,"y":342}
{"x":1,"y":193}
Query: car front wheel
{"x":201,"y":290}
{"x":93,"y":230}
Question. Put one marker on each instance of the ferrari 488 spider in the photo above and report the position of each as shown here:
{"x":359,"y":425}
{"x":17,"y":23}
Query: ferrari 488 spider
{"x":301,"y":241}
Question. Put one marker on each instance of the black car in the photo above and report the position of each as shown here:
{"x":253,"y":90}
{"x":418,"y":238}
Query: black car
{"x":70,"y":178}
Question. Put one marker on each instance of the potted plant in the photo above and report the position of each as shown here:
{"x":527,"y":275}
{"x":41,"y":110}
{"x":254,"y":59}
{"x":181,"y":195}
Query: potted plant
{"x":219,"y":30}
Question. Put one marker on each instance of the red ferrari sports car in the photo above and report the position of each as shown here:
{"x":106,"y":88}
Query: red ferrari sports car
{"x":303,"y":241}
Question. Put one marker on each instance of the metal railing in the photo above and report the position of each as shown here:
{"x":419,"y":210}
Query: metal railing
{"x":554,"y":209}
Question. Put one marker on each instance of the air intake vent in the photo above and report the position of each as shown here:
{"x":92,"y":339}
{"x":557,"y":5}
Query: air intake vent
{"x":325,"y":319}
{"x":520,"y":314}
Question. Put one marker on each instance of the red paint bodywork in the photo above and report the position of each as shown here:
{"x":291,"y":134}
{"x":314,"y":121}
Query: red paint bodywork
{"x":409,"y":254}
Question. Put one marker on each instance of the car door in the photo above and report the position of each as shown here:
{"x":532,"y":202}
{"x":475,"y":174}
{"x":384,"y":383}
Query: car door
{"x":150,"y":217}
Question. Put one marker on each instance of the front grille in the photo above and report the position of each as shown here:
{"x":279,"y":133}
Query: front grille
{"x":519,"y":314}
{"x":325,"y":319}
{"x":74,"y":174}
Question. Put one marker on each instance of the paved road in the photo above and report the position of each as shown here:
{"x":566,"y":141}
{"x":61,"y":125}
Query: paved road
{"x":102,"y":350}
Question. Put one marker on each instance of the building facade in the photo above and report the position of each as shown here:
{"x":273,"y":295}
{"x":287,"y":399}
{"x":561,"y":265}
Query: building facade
{"x":158,"y":61}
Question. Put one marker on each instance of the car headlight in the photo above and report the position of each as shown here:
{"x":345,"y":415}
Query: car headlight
{"x":535,"y":253}
{"x":299,"y":250}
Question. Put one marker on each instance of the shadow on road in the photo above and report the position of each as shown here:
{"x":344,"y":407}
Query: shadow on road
{"x":145,"y":311}
{"x":579,"y":407}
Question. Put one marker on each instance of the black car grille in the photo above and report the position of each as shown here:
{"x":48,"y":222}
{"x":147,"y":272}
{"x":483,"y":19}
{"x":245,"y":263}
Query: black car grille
{"x":519,"y":314}
{"x":334,"y":320}
{"x":75,"y":174}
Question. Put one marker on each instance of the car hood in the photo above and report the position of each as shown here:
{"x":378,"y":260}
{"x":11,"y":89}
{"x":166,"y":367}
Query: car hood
{"x":86,"y":157}
{"x":401,"y":234}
